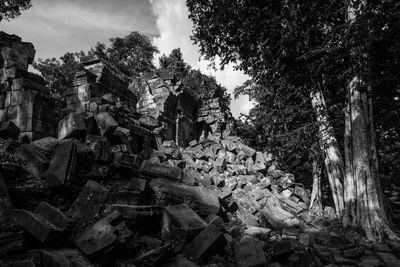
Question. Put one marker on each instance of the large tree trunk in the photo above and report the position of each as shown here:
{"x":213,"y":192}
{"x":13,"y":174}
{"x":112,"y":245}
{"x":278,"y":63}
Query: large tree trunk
{"x":364,"y":207}
{"x":316,"y":200}
{"x":332,"y":156}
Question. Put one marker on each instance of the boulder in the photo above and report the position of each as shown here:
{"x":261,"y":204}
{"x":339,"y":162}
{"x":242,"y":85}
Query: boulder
{"x":72,"y":126}
{"x":62,"y":164}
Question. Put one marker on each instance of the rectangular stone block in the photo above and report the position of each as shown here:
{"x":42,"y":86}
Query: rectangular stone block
{"x":59,"y":258}
{"x":72,"y":126}
{"x":37,"y":163}
{"x":89,"y":201}
{"x":53,"y":215}
{"x":206,"y":243}
{"x":106,"y":123}
{"x":8,"y":129}
{"x":101,"y":148}
{"x":202,"y":200}
{"x":155,"y":170}
{"x":249,"y":253}
{"x":62,"y":164}
{"x":181,"y":220}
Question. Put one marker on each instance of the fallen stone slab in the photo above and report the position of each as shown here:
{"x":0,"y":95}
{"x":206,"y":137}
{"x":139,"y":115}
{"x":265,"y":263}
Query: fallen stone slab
{"x":8,"y":129}
{"x":53,"y":215}
{"x":127,"y":160}
{"x":215,"y":220}
{"x":205,"y":244}
{"x":203,"y":201}
{"x":39,"y":227}
{"x":257,"y":232}
{"x":89,"y":201}
{"x":72,"y":126}
{"x":59,"y":258}
{"x":37,"y":163}
{"x":278,"y":217}
{"x":106,"y":123}
{"x":47,"y":144}
{"x":103,"y":236}
{"x":155,"y":170}
{"x":249,"y":253}
{"x":62,"y":164}
{"x":181,"y":221}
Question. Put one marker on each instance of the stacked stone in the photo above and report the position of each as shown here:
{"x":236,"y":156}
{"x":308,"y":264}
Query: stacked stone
{"x":97,"y":88}
{"x":215,"y":114}
{"x":215,"y":202}
{"x":22,"y":94}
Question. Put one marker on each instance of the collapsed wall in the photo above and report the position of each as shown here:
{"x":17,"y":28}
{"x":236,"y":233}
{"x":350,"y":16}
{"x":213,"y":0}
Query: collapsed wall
{"x":23,"y":98}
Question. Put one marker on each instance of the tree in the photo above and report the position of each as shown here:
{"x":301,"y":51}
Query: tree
{"x":318,"y":45}
{"x":131,"y":55}
{"x":10,"y":9}
{"x":174,"y":62}
{"x":295,"y":39}
{"x":58,"y":74}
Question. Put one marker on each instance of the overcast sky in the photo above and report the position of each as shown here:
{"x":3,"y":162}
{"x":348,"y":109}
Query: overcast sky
{"x":59,"y":26}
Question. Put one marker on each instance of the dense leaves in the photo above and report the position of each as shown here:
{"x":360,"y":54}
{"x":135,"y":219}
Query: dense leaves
{"x":10,"y":9}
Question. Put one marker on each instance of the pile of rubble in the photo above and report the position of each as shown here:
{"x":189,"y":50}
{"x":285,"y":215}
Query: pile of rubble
{"x":87,"y":200}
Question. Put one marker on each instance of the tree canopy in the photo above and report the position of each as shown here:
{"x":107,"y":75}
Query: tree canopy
{"x":10,"y":9}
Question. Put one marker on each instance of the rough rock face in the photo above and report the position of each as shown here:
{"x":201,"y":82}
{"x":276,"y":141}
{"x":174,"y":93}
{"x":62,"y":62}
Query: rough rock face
{"x":96,"y":88}
{"x":162,"y":96}
{"x":22,"y":97}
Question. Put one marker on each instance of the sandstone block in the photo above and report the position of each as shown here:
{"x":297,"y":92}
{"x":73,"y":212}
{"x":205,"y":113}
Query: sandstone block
{"x":106,"y":123}
{"x":72,"y":126}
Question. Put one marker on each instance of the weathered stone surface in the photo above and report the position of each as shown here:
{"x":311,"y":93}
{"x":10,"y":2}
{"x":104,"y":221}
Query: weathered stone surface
{"x":47,"y":144}
{"x":258,"y":232}
{"x":100,"y":236}
{"x":37,"y":163}
{"x":207,"y":242}
{"x":249,"y":253}
{"x":88,"y":203}
{"x":154,"y":256}
{"x":72,"y":126}
{"x":276,"y":216}
{"x":39,"y":227}
{"x":202,"y":200}
{"x":62,"y":164}
{"x":100,"y":147}
{"x":178,"y":261}
{"x":106,"y":123}
{"x":59,"y":258}
{"x":181,"y":220}
{"x":173,"y":173}
{"x":8,"y":129}
{"x":53,"y":215}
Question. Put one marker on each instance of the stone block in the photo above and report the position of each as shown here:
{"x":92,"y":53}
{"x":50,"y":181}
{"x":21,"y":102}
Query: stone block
{"x":256,"y":167}
{"x":39,"y":227}
{"x":257,"y":232}
{"x":276,"y":216}
{"x":246,"y":149}
{"x":72,"y":126}
{"x":388,"y":258}
{"x":249,"y":253}
{"x":206,"y":243}
{"x":202,"y":200}
{"x":102,"y":236}
{"x":53,"y":215}
{"x":181,"y":221}
{"x":64,"y":257}
{"x":220,"y":164}
{"x":153,"y":257}
{"x":89,"y":201}
{"x":215,"y":220}
{"x":179,"y":261}
{"x":37,"y":163}
{"x":155,"y":170}
{"x":127,"y":160}
{"x":8,"y":129}
{"x":47,"y":144}
{"x":100,"y":147}
{"x":106,"y":123}
{"x":62,"y":164}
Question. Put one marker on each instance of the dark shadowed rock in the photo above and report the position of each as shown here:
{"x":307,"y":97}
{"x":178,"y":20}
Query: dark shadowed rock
{"x":8,"y":129}
{"x":249,"y":253}
{"x":72,"y":126}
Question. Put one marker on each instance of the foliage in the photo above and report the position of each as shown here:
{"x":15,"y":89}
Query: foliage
{"x":199,"y":85}
{"x":10,"y":9}
{"x":58,"y":73}
{"x":131,"y":55}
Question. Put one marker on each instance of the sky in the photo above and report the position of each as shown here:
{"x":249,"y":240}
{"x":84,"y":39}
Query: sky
{"x":59,"y":26}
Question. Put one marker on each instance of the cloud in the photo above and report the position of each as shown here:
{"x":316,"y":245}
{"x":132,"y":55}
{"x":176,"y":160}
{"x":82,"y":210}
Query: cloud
{"x":175,"y":29}
{"x":56,"y":26}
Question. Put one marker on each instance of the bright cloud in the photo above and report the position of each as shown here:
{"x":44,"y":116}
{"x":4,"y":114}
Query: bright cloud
{"x":175,"y":29}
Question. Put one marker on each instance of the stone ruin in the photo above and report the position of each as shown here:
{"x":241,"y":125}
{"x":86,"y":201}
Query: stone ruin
{"x":23,"y":98}
{"x":112,"y":190}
